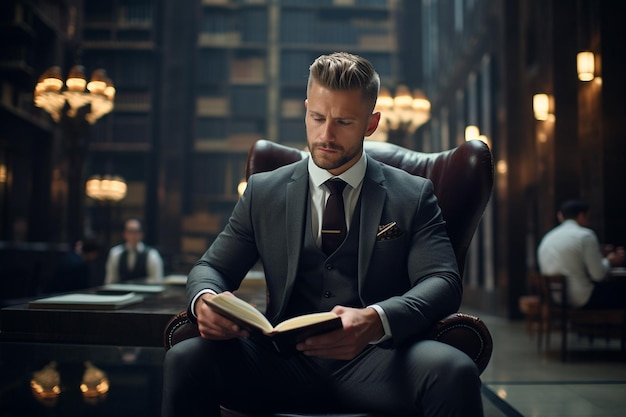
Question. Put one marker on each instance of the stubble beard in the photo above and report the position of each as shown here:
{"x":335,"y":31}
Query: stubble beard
{"x":334,"y":161}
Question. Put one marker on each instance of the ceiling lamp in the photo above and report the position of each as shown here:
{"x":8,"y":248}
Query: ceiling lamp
{"x":403,"y":114}
{"x":99,"y":93}
{"x":107,"y":188}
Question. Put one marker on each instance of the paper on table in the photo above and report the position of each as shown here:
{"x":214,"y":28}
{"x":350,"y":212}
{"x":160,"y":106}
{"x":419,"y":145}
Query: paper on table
{"x":175,"y":279}
{"x":148,"y":288}
{"x":87,"y":301}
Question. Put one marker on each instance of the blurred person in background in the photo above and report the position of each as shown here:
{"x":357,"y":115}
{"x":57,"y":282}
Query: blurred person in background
{"x":133,"y":260}
{"x":572,"y":249}
{"x":74,"y":272}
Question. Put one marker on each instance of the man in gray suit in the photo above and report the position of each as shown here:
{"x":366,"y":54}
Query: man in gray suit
{"x":388,"y":286}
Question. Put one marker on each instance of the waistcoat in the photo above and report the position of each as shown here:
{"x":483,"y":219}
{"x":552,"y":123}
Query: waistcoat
{"x":326,"y":281}
{"x":140,"y":269}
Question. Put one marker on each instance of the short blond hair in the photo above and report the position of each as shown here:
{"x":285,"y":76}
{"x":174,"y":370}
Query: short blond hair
{"x":344,"y":71}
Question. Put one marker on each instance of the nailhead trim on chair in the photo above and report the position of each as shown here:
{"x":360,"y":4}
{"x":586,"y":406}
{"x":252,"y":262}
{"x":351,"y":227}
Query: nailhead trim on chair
{"x":455,"y":326}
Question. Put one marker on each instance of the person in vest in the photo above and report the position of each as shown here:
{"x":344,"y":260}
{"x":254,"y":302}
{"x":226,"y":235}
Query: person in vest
{"x":133,"y":260}
{"x":391,"y":276}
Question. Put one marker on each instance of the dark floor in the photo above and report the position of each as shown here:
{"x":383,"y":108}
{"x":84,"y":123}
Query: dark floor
{"x":519,"y":380}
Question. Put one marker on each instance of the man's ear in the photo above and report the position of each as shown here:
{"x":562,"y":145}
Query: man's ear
{"x":372,"y":123}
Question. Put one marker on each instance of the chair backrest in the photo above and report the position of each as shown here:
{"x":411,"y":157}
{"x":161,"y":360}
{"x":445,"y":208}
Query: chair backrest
{"x":554,"y":297}
{"x":554,"y":291}
{"x":462,"y":178}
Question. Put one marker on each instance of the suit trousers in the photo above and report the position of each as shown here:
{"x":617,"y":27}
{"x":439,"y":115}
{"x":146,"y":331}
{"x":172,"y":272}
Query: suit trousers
{"x":425,"y":378}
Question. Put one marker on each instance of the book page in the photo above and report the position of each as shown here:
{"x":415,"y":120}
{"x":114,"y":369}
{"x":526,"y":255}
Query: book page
{"x":305,"y":320}
{"x":241,"y":310}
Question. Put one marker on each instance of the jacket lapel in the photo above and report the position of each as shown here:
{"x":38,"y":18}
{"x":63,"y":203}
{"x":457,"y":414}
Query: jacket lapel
{"x":373,"y":195}
{"x":297,"y":201}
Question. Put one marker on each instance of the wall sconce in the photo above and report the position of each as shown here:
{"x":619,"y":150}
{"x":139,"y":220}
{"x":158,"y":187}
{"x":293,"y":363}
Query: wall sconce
{"x":541,"y":107}
{"x":585,"y":65}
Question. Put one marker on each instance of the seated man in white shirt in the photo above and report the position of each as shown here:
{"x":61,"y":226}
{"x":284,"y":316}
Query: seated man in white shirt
{"x":133,"y":259}
{"x":572,"y":249}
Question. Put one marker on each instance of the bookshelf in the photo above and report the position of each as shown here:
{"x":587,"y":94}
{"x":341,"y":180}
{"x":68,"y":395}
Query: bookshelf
{"x":252,"y":69}
{"x":254,"y":58}
{"x":199,"y":82}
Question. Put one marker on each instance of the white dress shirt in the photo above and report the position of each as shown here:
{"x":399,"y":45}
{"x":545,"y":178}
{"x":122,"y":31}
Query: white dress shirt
{"x":154,"y":263}
{"x":573,"y":251}
{"x":319,"y":194}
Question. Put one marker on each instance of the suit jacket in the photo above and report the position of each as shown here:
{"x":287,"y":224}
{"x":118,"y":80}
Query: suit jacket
{"x":413,"y":276}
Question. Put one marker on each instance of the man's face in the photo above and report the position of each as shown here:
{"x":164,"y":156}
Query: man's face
{"x":336,"y":123}
{"x":132,"y":233}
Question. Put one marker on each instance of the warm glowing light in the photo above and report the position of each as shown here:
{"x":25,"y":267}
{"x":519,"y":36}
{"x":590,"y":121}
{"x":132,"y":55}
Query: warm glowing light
{"x":109,"y":188}
{"x":46,"y":384}
{"x":242,"y":187}
{"x":585,"y":64}
{"x":385,"y":101}
{"x":541,"y":106}
{"x":99,"y":93}
{"x":471,"y":133}
{"x":405,"y":112}
{"x":484,"y":138}
{"x":502,"y":167}
{"x":95,"y":383}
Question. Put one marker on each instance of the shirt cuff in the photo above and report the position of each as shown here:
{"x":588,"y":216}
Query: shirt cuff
{"x":193,"y":301}
{"x":385,"y":321}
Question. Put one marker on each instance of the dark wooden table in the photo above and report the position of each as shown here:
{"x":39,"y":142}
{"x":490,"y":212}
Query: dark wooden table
{"x":140,"y":324}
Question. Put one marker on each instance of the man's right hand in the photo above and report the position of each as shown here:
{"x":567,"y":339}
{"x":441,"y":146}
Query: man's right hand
{"x":213,"y":325}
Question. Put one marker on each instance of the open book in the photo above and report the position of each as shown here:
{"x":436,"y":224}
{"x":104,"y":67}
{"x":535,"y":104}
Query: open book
{"x":284,"y":336}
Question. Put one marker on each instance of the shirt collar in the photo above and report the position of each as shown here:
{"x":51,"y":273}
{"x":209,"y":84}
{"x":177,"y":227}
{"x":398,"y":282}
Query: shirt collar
{"x":140,"y":247}
{"x":352,"y":176}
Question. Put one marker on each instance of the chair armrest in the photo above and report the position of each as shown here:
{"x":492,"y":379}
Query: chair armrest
{"x":179,"y":328}
{"x":463,"y":331}
{"x":467,"y":333}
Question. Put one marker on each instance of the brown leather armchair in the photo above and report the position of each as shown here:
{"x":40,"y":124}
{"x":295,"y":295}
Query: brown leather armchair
{"x":462,"y":179}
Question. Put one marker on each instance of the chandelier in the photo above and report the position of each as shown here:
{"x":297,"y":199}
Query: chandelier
{"x":401,"y":115}
{"x":98,"y":93}
{"x":107,"y":188}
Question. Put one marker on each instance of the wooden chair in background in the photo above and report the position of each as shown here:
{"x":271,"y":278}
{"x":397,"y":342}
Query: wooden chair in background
{"x":531,"y":306}
{"x":605,"y":323}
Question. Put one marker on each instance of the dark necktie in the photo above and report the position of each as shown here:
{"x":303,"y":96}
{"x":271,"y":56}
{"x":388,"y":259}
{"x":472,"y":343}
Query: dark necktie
{"x":334,"y":219}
